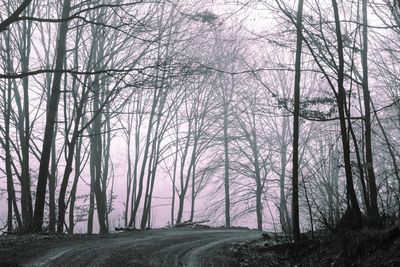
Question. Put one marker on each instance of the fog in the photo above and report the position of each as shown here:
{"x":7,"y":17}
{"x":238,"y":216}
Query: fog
{"x":146,"y":114}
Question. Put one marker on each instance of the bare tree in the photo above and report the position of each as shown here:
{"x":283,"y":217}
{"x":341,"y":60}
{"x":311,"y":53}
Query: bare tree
{"x":373,"y":198}
{"x":296,"y":113}
{"x":50,"y":121}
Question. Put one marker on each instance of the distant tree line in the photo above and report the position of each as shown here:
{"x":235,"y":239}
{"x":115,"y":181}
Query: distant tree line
{"x":298,"y":121}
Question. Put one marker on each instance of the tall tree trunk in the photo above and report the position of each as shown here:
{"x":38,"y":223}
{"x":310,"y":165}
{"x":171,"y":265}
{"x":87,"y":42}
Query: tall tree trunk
{"x":9,"y":174}
{"x":132,"y":220}
{"x":136,"y":202}
{"x":52,"y":188}
{"x":147,"y":206}
{"x":106,"y":163}
{"x":283,"y":212}
{"x":174,"y":171}
{"x":51,"y":115}
{"x":153,"y":162}
{"x":193,"y":194}
{"x":62,"y":207}
{"x":91,"y":202}
{"x":129,"y":174}
{"x":7,"y":104}
{"x":192,"y":164}
{"x":24,"y":127}
{"x":75,"y":185}
{"x":373,"y":191}
{"x":259,"y":183}
{"x":183,"y":181}
{"x":226,"y":166}
{"x":296,"y":126}
{"x":359,"y":165}
{"x":70,"y":146}
{"x":158,"y":92}
{"x":96,"y":158}
{"x":341,"y":99}
{"x":333,"y":176}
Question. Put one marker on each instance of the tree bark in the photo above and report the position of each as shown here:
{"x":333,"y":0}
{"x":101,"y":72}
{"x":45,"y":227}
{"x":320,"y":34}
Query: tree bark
{"x":24,"y":126}
{"x":75,"y":186}
{"x":283,"y":212}
{"x":296,"y":126}
{"x":10,"y":182}
{"x":51,"y":121}
{"x":174,"y":171}
{"x":373,"y":191}
{"x":226,"y":166}
{"x":340,"y":98}
{"x":52,"y":188}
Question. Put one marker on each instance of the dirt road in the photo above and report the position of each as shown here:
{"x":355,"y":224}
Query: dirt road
{"x":147,"y":248}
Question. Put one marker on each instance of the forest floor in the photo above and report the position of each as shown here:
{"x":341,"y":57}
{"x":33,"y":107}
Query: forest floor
{"x":164,"y":247}
{"x":203,"y":247}
{"x":366,"y":247}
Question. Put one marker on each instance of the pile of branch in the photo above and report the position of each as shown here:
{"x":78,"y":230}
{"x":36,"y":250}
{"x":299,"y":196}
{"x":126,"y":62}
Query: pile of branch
{"x":190,"y":224}
{"x":126,"y":229}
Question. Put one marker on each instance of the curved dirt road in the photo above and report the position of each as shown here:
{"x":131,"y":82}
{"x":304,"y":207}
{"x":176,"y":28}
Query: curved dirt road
{"x":148,"y":248}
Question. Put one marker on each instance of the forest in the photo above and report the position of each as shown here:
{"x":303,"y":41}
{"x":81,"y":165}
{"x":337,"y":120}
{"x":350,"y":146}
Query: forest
{"x":277,"y":115}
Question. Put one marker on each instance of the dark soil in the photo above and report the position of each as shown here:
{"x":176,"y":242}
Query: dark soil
{"x":366,"y":247}
{"x":13,"y":248}
{"x":163,"y":247}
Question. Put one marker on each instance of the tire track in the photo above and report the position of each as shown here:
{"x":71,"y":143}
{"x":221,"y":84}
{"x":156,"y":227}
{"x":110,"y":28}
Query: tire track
{"x":153,"y":248}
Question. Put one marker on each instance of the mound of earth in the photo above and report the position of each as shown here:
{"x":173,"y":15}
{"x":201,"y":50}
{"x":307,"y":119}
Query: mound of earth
{"x":367,"y":247}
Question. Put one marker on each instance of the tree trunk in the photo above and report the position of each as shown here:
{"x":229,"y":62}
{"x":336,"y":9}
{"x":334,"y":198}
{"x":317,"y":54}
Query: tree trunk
{"x":283,"y":212}
{"x":75,"y":186}
{"x":153,"y":162}
{"x":259,"y":192}
{"x":183,"y":181}
{"x":96,"y":159}
{"x":136,"y":201}
{"x":91,"y":203}
{"x":24,"y":127}
{"x":10,"y":182}
{"x":52,"y":188}
{"x":340,"y":98}
{"x":62,"y":207}
{"x":226,"y":167}
{"x":296,"y":126}
{"x":51,"y":121}
{"x":129,"y":171}
{"x":373,"y":191}
{"x":174,"y":171}
{"x":359,"y":165}
{"x":106,"y":161}
{"x":193,"y":194}
{"x":192,"y":166}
